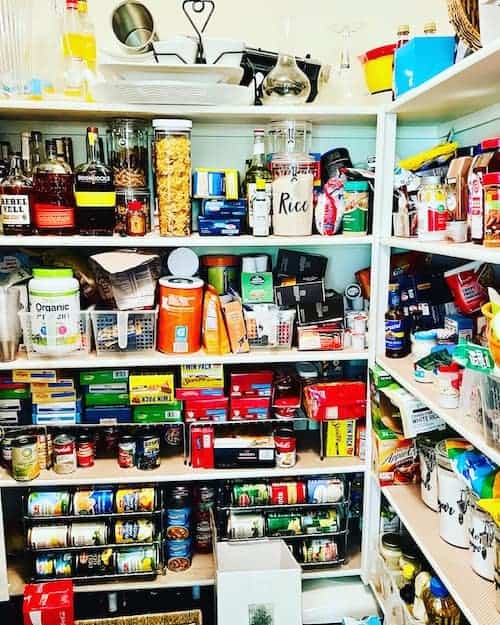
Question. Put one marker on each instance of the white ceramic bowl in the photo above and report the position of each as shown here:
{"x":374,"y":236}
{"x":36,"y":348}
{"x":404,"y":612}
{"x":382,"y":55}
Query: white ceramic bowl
{"x":185,"y":47}
{"x":215,"y":47}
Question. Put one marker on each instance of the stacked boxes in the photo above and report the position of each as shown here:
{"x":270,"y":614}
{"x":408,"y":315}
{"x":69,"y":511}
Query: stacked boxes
{"x":202,"y":389}
{"x":250,"y":394}
{"x":152,"y":398}
{"x":105,"y":396}
{"x":15,"y":401}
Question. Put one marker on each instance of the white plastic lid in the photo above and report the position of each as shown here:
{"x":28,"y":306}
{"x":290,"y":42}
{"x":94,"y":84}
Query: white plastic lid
{"x":173,"y":124}
{"x":175,"y":282}
{"x":183,"y":262}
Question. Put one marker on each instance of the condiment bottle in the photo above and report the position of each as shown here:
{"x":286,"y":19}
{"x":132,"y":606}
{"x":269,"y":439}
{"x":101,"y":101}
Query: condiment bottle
{"x":16,"y":200}
{"x":440,"y":606}
{"x":261,"y":210}
{"x":403,"y":35}
{"x":396,"y":333}
{"x":136,"y":219}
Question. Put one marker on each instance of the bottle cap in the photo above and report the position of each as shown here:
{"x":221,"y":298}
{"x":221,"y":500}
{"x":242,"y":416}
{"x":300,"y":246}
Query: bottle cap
{"x":430,"y":27}
{"x":52,"y":273}
{"x":260,"y":184}
{"x":403,"y":28}
{"x":438,"y":589}
{"x":409,"y":571}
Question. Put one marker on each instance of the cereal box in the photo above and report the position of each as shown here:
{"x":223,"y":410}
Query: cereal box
{"x":395,"y":460}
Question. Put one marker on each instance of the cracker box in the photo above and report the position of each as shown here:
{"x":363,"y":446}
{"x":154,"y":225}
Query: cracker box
{"x":151,"y":389}
{"x":159,"y":413}
{"x":202,"y":376}
{"x":41,"y":375}
{"x":395,"y":460}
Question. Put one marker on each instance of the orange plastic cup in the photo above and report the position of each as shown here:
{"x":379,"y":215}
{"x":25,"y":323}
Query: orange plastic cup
{"x":493,"y":342}
{"x":179,"y":321}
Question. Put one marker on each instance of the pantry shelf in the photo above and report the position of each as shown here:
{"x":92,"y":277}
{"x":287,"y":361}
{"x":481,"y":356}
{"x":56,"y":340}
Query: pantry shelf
{"x":468,"y":86}
{"x":173,"y":469}
{"x":402,"y":371}
{"x":195,"y":240}
{"x":157,"y":359}
{"x":467,"y":251}
{"x":474,"y":595}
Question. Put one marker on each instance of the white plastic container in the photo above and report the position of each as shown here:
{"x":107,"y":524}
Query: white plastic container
{"x":453,"y":502}
{"x":482,"y":541}
{"x":428,"y":471}
{"x":54,"y":299}
{"x":422,"y":343}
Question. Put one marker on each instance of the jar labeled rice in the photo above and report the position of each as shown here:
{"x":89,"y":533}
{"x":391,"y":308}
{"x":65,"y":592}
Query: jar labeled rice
{"x":172,"y":162}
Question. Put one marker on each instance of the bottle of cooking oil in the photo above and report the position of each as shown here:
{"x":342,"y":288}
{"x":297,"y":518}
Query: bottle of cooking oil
{"x":74,"y":66}
{"x":440,"y":606}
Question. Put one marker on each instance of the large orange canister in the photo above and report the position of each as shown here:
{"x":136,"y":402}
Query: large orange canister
{"x":179,"y":323}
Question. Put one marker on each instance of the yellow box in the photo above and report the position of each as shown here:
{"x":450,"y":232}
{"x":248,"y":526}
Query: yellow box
{"x":153,"y":388}
{"x":51,"y":397}
{"x":66,"y":384}
{"x":40,"y":375}
{"x":202,"y":376}
{"x":341,"y":438}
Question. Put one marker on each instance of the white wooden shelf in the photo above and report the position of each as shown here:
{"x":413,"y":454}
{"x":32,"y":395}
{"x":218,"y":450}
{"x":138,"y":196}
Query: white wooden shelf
{"x":173,"y":469}
{"x":468,"y":86}
{"x":467,"y":251}
{"x":65,"y":110}
{"x":402,"y":371}
{"x":195,"y":240}
{"x":474,"y":595}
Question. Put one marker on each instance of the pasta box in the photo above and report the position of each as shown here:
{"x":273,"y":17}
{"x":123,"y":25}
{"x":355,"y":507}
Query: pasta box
{"x":244,"y":451}
{"x":251,"y":383}
{"x":300,"y":293}
{"x":249,"y":408}
{"x":327,"y":401}
{"x":213,"y":409}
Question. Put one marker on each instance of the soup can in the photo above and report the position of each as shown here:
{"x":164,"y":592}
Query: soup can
{"x":88,"y":534}
{"x":126,"y":452}
{"x":428,"y":471}
{"x":286,"y":447}
{"x":25,"y":463}
{"x":134,"y":531}
{"x":250,"y":495}
{"x":135,"y":500}
{"x":64,"y":454}
{"x":52,"y":503}
{"x":325,"y":491}
{"x":89,"y":502}
{"x":147,"y":455}
{"x":85,"y":451}
{"x":246,"y":525}
{"x":95,"y":562}
{"x":482,"y":541}
{"x":179,"y":323}
{"x":48,"y":536}
{"x":288,"y":493}
{"x":137,"y":560}
{"x":6,"y":452}
{"x":54,"y":565}
{"x":179,"y":554}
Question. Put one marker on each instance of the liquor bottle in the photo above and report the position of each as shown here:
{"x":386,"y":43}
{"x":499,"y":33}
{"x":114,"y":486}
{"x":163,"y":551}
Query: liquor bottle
{"x":16,"y":200}
{"x":261,"y":210}
{"x":26,"y":154}
{"x":74,"y":66}
{"x":94,"y":192}
{"x":37,"y":151}
{"x":403,"y":35}
{"x":54,"y":206}
{"x":5,"y":152}
{"x":396,"y":333}
{"x":64,"y":147}
{"x":258,"y":169}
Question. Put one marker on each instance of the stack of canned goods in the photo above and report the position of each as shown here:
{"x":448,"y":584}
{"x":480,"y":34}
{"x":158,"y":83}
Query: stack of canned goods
{"x":204,"y":501}
{"x":312,"y":491}
{"x":179,"y":546}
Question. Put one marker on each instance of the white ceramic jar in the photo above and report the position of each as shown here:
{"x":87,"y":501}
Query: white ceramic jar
{"x":482,"y":541}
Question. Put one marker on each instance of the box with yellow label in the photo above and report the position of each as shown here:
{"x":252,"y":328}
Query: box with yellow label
{"x":151,"y":389}
{"x":202,"y":376}
{"x":40,"y":375}
{"x":341,"y":438}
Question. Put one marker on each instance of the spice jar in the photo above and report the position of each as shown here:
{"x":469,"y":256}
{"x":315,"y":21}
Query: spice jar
{"x":125,"y":197}
{"x":128,"y":149}
{"x":172,"y":161}
{"x":136,"y":219}
{"x":432,"y":210}
{"x":390,"y":550}
{"x":293,"y":171}
{"x":410,"y":556}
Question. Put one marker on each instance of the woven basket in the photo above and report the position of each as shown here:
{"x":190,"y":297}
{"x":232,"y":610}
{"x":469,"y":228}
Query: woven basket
{"x":464,"y":15}
{"x":192,"y":617}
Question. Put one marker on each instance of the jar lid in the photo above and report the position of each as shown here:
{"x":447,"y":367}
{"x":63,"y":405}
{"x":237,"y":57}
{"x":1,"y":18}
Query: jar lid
{"x":220,"y":261}
{"x":490,"y":144}
{"x":172,"y":124}
{"x":425,"y":335}
{"x":21,"y":441}
{"x":493,"y":178}
{"x":53,"y":273}
{"x":438,"y":589}
{"x":410,"y":551}
{"x":183,"y":262}
{"x":175,"y":282}
{"x":391,"y":540}
{"x":131,"y":192}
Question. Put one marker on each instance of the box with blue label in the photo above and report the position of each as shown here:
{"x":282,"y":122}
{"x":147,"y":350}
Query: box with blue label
{"x":108,"y":415}
{"x":460,"y":325}
{"x":420,"y":59}
{"x":219,"y":226}
{"x":224,"y":208}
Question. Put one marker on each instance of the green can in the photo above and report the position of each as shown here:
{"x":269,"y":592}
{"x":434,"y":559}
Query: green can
{"x":356,"y":203}
{"x":284,"y":524}
{"x":25,"y":464}
{"x":245,"y":495}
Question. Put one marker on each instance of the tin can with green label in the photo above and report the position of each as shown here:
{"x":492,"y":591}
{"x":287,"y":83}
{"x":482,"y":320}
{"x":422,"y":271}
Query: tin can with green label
{"x":356,"y":202}
{"x":25,"y":465}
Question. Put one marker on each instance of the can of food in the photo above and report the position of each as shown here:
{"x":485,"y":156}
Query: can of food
{"x":25,"y":463}
{"x":319,"y":550}
{"x":88,"y":534}
{"x":221,"y":272}
{"x":48,"y":536}
{"x":6,"y":452}
{"x":284,"y":524}
{"x":134,"y":531}
{"x":204,"y":497}
{"x":287,"y":493}
{"x":135,"y":500}
{"x":173,"y":435}
{"x":45,"y":450}
{"x":54,"y":565}
{"x":63,"y":564}
{"x":245,"y":525}
{"x":110,"y":438}
{"x":325,"y":491}
{"x":52,"y":503}
{"x":250,"y":495}
{"x":85,"y":451}
{"x":64,"y":454}
{"x":98,"y":562}
{"x":44,"y":565}
{"x":126,"y":452}
{"x":179,"y":554}
{"x":143,"y":560}
{"x":89,"y":502}
{"x":286,"y":447}
{"x":148,"y":452}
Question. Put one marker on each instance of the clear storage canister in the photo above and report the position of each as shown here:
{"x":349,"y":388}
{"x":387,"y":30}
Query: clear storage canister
{"x":128,"y":150}
{"x":172,"y":163}
{"x":293,"y":171}
{"x":482,"y":540}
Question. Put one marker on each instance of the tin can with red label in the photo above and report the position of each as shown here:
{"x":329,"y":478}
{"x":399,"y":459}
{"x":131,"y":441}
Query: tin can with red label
{"x":126,"y":452}
{"x":64,"y":454}
{"x":85,"y":453}
{"x":286,"y":448}
{"x":288,"y":493}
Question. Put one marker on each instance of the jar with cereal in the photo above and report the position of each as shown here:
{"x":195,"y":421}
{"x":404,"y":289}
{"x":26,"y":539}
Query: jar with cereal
{"x":172,"y":162}
{"x":128,"y":150}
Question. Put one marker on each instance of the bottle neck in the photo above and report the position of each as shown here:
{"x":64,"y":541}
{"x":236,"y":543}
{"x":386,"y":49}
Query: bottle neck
{"x":16,"y":170}
{"x":51,"y":149}
{"x":259,"y":151}
{"x":394,"y":299}
{"x":93,"y":147}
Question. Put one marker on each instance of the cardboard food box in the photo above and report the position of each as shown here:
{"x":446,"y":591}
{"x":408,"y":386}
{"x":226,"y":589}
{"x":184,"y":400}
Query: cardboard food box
{"x":257,"y":288}
{"x":50,"y":603}
{"x":198,"y":393}
{"x":249,"y":408}
{"x":300,"y":293}
{"x":332,"y":309}
{"x":202,"y":376}
{"x":414,"y":416}
{"x":156,"y":388}
{"x":301,"y":264}
{"x":107,"y":399}
{"x":202,"y":447}
{"x":104,"y":376}
{"x":251,"y":384}
{"x":341,"y":438}
{"x":42,"y":375}
{"x":108,"y":415}
{"x":244,"y":451}
{"x":158,"y":413}
{"x":214,"y":409}
{"x":326,"y":401}
{"x":395,"y":459}
{"x":327,"y":336}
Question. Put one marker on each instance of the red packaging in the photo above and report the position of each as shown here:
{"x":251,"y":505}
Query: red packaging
{"x":202,"y":447}
{"x":85,"y":453}
{"x":327,"y":336}
{"x":249,"y":408}
{"x":327,"y":401}
{"x":214,"y":409}
{"x":198,"y":393}
{"x":288,"y":493}
{"x":469,"y":295}
{"x":50,"y":605}
{"x":251,"y":384}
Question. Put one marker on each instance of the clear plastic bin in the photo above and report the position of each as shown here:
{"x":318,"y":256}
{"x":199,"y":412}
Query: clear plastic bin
{"x":46,"y":339}
{"x":491,"y":410}
{"x":268,"y":327}
{"x":124,"y":331}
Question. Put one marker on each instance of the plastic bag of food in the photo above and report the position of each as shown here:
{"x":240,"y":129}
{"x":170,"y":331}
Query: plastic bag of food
{"x":214,"y":334}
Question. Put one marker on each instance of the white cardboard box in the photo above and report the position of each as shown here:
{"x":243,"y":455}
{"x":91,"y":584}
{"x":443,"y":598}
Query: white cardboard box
{"x":258,"y":582}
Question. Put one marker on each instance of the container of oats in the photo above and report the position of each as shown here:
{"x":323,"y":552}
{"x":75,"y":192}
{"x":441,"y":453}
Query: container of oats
{"x":172,"y":164}
{"x":128,"y":152}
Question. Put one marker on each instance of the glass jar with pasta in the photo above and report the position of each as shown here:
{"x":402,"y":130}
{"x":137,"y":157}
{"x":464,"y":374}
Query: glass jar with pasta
{"x":172,"y":163}
{"x":128,"y":151}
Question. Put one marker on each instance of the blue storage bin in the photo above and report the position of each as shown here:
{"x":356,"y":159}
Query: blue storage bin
{"x":420,"y":59}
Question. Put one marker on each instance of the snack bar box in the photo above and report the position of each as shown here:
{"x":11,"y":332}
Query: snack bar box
{"x":326,"y":401}
{"x":244,"y":452}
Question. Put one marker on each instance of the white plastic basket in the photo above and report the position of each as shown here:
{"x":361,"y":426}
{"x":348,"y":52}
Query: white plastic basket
{"x":124,"y":331}
{"x":46,"y":338}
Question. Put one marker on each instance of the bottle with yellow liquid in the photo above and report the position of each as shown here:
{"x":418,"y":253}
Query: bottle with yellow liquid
{"x":88,"y":48}
{"x":72,"y":47}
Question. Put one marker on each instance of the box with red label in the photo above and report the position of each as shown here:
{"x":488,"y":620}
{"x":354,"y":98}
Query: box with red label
{"x":202,"y":447}
{"x":325,"y":401}
{"x":214,"y":409}
{"x":198,"y":393}
{"x":395,"y":460}
{"x":327,"y":336}
{"x":50,"y":605}
{"x":249,"y":408}
{"x":251,"y":384}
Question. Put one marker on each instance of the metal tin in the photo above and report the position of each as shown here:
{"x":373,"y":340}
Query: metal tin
{"x":89,"y":502}
{"x":45,"y":450}
{"x":44,"y":566}
{"x":284,"y":524}
{"x":319,"y":550}
{"x":179,"y":554}
{"x":85,"y":451}
{"x":25,"y":464}
{"x":6,"y":452}
{"x":41,"y":504}
{"x":246,"y":525}
{"x":325,"y":491}
{"x":48,"y":536}
{"x":134,"y":531}
{"x":251,"y":495}
{"x":148,"y":452}
{"x":173,"y":435}
{"x":90,"y":562}
{"x":286,"y":447}
{"x":64,"y":454}
{"x":143,"y":560}
{"x":135,"y":500}
{"x":126,"y":452}
{"x":204,"y":496}
{"x":88,"y":534}
{"x":288,"y":493}
{"x":50,"y":565}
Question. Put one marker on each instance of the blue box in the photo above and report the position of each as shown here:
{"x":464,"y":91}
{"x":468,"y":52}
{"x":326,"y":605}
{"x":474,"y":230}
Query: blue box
{"x":224,"y":208}
{"x":108,"y":415}
{"x":420,"y":59}
{"x":208,"y":227}
{"x":460,"y":325}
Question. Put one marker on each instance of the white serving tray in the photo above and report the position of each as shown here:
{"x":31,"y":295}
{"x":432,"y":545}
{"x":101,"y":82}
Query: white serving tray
{"x":153,"y":71}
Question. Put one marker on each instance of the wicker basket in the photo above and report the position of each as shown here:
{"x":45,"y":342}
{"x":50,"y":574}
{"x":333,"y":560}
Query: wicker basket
{"x":464,"y":15}
{"x":192,"y":617}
